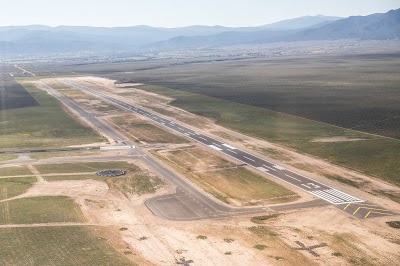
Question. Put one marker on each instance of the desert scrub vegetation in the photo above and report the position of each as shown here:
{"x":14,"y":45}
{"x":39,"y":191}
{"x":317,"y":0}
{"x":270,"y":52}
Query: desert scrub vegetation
{"x":261,"y":219}
{"x":138,"y":183}
{"x":394,"y":224}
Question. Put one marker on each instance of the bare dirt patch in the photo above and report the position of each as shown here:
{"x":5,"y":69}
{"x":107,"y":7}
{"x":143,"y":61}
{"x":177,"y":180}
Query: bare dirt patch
{"x":336,"y":139}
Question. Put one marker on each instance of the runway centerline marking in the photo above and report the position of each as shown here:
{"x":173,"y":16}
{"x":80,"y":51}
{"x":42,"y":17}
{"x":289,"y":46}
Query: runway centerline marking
{"x":248,"y":158}
{"x":293,"y":177}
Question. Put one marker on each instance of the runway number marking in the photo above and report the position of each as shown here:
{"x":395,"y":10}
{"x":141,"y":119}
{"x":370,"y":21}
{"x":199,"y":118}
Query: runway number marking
{"x":229,"y":146}
{"x":215,"y":147}
{"x":313,"y":185}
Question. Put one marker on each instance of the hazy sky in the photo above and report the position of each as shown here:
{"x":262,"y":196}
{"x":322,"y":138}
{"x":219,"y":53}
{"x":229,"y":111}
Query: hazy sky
{"x":172,"y":13}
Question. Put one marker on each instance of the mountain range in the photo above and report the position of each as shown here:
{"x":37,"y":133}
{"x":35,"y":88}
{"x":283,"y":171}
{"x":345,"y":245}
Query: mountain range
{"x":39,"y":39}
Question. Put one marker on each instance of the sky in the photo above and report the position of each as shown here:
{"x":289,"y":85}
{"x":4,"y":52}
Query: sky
{"x":178,"y":13}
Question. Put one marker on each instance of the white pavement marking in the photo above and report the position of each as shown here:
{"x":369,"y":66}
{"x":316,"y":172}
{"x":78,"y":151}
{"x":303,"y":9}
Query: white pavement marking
{"x":231,"y":151}
{"x":248,"y":158}
{"x":229,"y":146}
{"x":343,"y":195}
{"x":215,"y":147}
{"x":262,"y":169}
{"x":326,"y":196}
{"x":270,"y":168}
{"x":202,"y":138}
{"x":293,"y":177}
{"x":279,"y":167}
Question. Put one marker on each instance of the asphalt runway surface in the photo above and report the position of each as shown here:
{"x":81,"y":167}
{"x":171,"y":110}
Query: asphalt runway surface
{"x":212,"y":208}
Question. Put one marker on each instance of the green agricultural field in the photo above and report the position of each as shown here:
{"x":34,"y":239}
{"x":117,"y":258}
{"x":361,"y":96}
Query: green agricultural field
{"x":8,"y":157}
{"x":67,"y":245}
{"x":11,"y":187}
{"x":40,"y":210}
{"x":374,"y":155}
{"x":14,"y":171}
{"x":46,"y":125}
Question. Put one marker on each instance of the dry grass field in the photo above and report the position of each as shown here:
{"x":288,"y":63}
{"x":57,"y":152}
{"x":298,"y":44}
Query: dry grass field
{"x":45,"y":125}
{"x":226,"y":181}
{"x":143,"y":131}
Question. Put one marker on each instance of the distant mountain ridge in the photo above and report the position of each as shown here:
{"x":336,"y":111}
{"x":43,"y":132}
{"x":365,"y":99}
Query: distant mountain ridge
{"x":38,"y":39}
{"x":375,"y":26}
{"x":301,"y":22}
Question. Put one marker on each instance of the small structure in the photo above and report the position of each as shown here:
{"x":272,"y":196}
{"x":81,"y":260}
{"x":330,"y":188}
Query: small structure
{"x":183,"y":261}
{"x":114,"y":172}
{"x":310,"y":248}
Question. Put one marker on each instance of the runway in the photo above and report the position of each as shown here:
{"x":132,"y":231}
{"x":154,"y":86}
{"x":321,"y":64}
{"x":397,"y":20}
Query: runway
{"x":188,"y":202}
{"x":313,"y":187}
{"x":328,"y":194}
